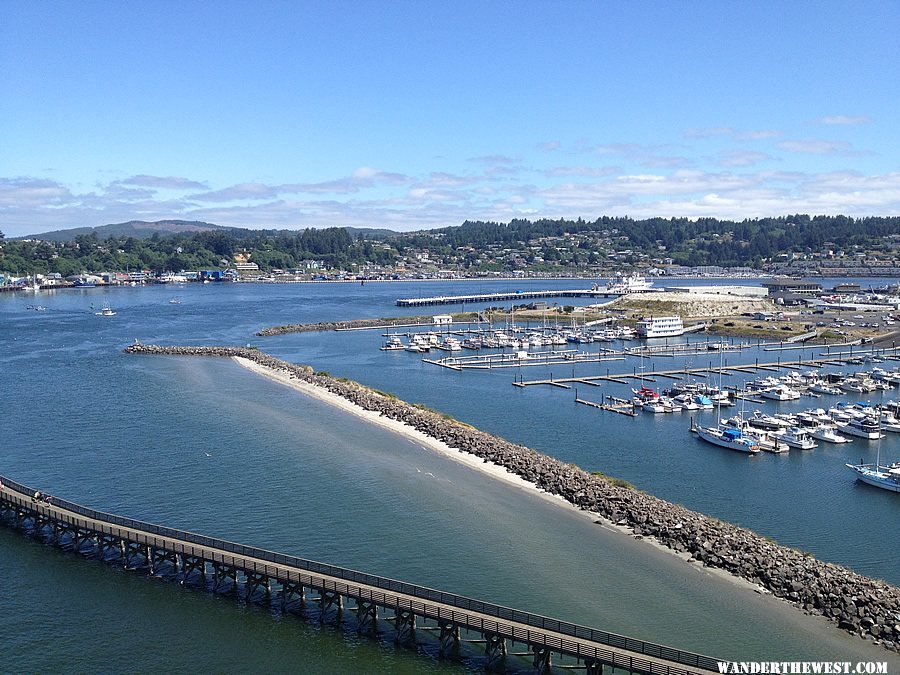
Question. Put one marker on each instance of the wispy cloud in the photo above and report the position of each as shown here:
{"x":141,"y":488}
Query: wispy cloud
{"x":737,"y":190}
{"x":815,"y":146}
{"x":734,"y":158}
{"x":549,"y":146}
{"x":163,"y":182}
{"x":844,"y":120}
{"x":582,"y":171}
{"x":730,"y":132}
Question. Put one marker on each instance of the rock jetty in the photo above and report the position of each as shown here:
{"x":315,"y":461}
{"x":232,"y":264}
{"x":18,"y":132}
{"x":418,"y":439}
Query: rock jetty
{"x":343,"y":325}
{"x":857,"y":604}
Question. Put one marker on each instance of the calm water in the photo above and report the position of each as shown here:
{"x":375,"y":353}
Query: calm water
{"x":207,"y":446}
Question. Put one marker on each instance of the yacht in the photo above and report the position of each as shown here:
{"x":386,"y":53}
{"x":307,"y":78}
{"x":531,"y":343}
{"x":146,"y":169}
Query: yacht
{"x":762,"y":439}
{"x":827,"y":434}
{"x":727,"y":438}
{"x":781,"y":392}
{"x":885,"y":477}
{"x":393,"y":344}
{"x":795,"y":437}
{"x":767,"y":422}
{"x":863,"y":427}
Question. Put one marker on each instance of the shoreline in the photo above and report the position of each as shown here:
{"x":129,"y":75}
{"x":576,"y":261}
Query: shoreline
{"x":861,"y":606}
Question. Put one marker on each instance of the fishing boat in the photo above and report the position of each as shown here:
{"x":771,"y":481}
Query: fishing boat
{"x":106,"y":311}
{"x":174,"y":301}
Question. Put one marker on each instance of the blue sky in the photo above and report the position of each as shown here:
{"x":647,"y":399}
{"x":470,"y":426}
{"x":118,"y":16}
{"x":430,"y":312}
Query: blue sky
{"x":412,"y":115}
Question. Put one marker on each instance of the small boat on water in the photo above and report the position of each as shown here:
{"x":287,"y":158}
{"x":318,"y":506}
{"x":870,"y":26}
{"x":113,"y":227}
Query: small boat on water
{"x":106,"y":311}
{"x":174,"y":301}
{"x":393,"y":344}
{"x":827,"y":434}
{"x":730,"y":438}
{"x":762,"y":421}
{"x":884,"y":477}
{"x":795,"y":437}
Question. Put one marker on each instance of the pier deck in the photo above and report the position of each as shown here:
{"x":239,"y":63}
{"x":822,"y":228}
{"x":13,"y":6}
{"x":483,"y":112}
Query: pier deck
{"x":493,"y":297}
{"x":96,"y":533}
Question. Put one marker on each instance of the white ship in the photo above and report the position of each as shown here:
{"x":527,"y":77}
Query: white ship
{"x":660,"y":326}
{"x":633,"y":283}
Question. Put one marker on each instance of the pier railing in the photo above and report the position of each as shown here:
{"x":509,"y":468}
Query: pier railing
{"x":470,"y":604}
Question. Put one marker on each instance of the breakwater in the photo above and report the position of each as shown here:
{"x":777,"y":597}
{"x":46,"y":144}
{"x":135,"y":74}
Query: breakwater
{"x":857,"y":604}
{"x":427,"y":320}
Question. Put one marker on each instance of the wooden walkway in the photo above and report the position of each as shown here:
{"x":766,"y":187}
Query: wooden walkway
{"x":251,"y":573}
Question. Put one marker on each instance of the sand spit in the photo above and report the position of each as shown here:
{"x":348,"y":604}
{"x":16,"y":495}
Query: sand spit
{"x":860,"y":605}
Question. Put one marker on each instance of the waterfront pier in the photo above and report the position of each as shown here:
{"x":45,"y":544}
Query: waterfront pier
{"x":331,"y":592}
{"x":498,"y":297}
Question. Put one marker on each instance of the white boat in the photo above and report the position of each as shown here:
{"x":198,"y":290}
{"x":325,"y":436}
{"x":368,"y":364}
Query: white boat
{"x":852,"y":385}
{"x":762,"y":439}
{"x":863,"y":427}
{"x":795,"y":437}
{"x":889,"y":422}
{"x":450,"y":344}
{"x":885,"y":477}
{"x":174,"y":301}
{"x":767,"y":422}
{"x":822,"y":387}
{"x":393,"y":344}
{"x":106,"y":311}
{"x":660,"y":326}
{"x":781,"y":392}
{"x":633,"y":283}
{"x":687,"y":402}
{"x":654,"y":406}
{"x":827,"y":434}
{"x":733,"y":439}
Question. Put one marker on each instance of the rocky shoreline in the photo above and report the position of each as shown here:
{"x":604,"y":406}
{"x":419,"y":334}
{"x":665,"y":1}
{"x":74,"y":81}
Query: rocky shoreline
{"x":857,"y":604}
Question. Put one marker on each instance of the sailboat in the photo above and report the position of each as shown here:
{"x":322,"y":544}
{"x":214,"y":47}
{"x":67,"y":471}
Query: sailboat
{"x":730,"y":437}
{"x":884,"y":477}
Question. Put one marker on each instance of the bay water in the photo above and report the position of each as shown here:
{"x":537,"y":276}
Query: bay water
{"x":204,"y":445}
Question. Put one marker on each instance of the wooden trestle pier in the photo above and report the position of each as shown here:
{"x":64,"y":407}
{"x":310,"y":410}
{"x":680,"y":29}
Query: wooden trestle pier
{"x":257,"y":575}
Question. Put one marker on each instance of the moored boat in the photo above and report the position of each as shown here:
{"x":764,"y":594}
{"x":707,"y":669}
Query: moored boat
{"x":827,"y":434}
{"x":732,"y":439}
{"x":795,"y":437}
{"x":884,"y":477}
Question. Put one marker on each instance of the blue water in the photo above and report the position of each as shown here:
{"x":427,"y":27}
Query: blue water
{"x":205,"y":445}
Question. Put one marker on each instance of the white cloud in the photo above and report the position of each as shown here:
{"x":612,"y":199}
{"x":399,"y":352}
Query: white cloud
{"x":844,"y":120}
{"x":815,"y":146}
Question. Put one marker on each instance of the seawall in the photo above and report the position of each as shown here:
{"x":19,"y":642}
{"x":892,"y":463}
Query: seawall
{"x":866,"y":607}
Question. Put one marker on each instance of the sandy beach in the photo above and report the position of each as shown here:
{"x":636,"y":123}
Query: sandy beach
{"x":494,"y":470}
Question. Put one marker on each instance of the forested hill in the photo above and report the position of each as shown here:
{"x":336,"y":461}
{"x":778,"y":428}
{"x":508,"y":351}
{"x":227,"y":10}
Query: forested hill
{"x":549,"y":245}
{"x":704,"y":241}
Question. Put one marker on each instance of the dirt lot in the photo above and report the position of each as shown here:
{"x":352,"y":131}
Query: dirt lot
{"x":733,"y":315}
